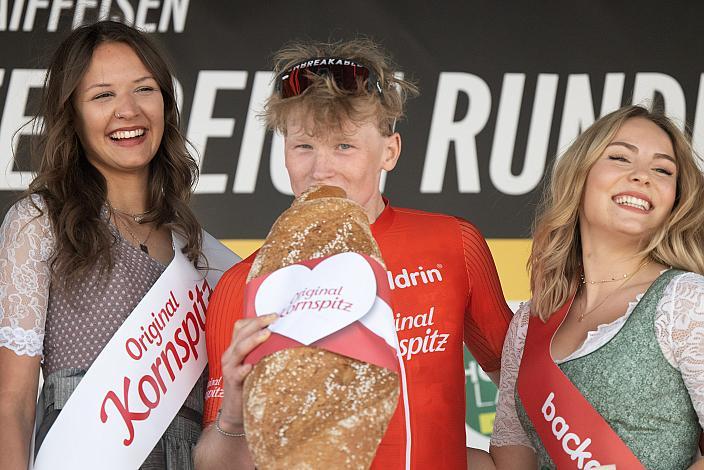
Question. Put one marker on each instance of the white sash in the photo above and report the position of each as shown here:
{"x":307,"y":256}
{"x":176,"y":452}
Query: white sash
{"x":141,"y":378}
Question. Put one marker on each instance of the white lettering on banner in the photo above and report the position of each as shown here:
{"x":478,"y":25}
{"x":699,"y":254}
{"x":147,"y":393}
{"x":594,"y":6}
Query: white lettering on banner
{"x":142,"y":10}
{"x":56,"y":8}
{"x":13,"y":125}
{"x":277,"y":166}
{"x":444,"y":130}
{"x":32,"y":7}
{"x":572,"y":444}
{"x":17,"y":8}
{"x":578,"y":110}
{"x":253,"y":136}
{"x":80,"y":12}
{"x":405,"y":279}
{"x":16,"y":15}
{"x":502,"y":149}
{"x":176,"y":10}
{"x":648,"y":84}
{"x":3,"y":15}
{"x":169,"y":12}
{"x":202,"y":124}
{"x":127,"y":11}
{"x":698,"y":127}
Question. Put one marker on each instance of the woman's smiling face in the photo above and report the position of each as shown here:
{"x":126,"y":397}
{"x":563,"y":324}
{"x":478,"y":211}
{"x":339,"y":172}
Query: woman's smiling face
{"x":120,"y":111}
{"x":631,"y":188}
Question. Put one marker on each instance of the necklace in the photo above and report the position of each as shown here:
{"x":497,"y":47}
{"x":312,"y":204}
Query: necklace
{"x":142,"y":244}
{"x":604,"y":281}
{"x":136,"y":217}
{"x":627,"y":277}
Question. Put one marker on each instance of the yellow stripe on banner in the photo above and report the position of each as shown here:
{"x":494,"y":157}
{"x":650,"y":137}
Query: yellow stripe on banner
{"x":509,"y":254}
{"x":243,"y":248}
{"x":486,"y":422}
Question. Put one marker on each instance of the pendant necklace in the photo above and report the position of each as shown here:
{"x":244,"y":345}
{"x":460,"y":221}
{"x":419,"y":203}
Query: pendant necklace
{"x":626,"y":277}
{"x":142,"y":244}
{"x":136,"y":217}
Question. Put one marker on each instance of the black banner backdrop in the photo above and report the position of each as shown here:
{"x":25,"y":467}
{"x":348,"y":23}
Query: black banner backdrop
{"x":504,"y":86}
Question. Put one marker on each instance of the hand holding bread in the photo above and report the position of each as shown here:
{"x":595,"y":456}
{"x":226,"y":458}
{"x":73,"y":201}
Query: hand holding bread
{"x":306,"y":407}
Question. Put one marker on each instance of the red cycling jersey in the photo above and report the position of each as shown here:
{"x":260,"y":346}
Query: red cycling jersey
{"x":445,"y":292}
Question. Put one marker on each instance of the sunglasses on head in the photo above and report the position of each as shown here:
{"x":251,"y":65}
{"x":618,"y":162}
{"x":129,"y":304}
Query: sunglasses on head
{"x":346,"y":73}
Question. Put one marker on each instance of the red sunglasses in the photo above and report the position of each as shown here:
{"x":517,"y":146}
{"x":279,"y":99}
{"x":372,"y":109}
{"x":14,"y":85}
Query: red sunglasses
{"x":346,"y":73}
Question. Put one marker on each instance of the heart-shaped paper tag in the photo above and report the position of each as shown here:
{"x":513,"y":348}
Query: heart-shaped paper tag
{"x":314,"y":303}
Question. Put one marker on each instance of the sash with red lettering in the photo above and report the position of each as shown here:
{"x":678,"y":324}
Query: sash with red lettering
{"x":139,"y":381}
{"x":340,"y":303}
{"x":574,"y":434}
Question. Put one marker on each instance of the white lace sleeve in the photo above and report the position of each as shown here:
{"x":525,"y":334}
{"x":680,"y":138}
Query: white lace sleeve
{"x":26,"y":246}
{"x":679,"y":326}
{"x":507,"y":428}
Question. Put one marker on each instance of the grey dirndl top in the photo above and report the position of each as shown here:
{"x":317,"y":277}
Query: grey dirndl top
{"x":78,"y":322}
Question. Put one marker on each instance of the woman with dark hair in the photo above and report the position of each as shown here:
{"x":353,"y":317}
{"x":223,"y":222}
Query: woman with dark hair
{"x":94,"y":230}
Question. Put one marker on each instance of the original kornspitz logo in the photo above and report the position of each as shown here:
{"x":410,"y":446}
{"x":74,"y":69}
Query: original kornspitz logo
{"x":426,"y":339}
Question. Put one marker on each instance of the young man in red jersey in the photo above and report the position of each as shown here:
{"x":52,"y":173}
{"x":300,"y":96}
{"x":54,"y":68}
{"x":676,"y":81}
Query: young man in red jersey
{"x":336,"y":106}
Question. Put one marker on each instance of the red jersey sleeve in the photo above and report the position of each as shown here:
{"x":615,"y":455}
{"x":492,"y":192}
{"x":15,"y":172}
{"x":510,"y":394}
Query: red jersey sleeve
{"x":486,"y":316}
{"x":225,"y":308}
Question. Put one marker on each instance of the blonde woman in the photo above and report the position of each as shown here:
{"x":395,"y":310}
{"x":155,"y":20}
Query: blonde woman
{"x":606,"y":364}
